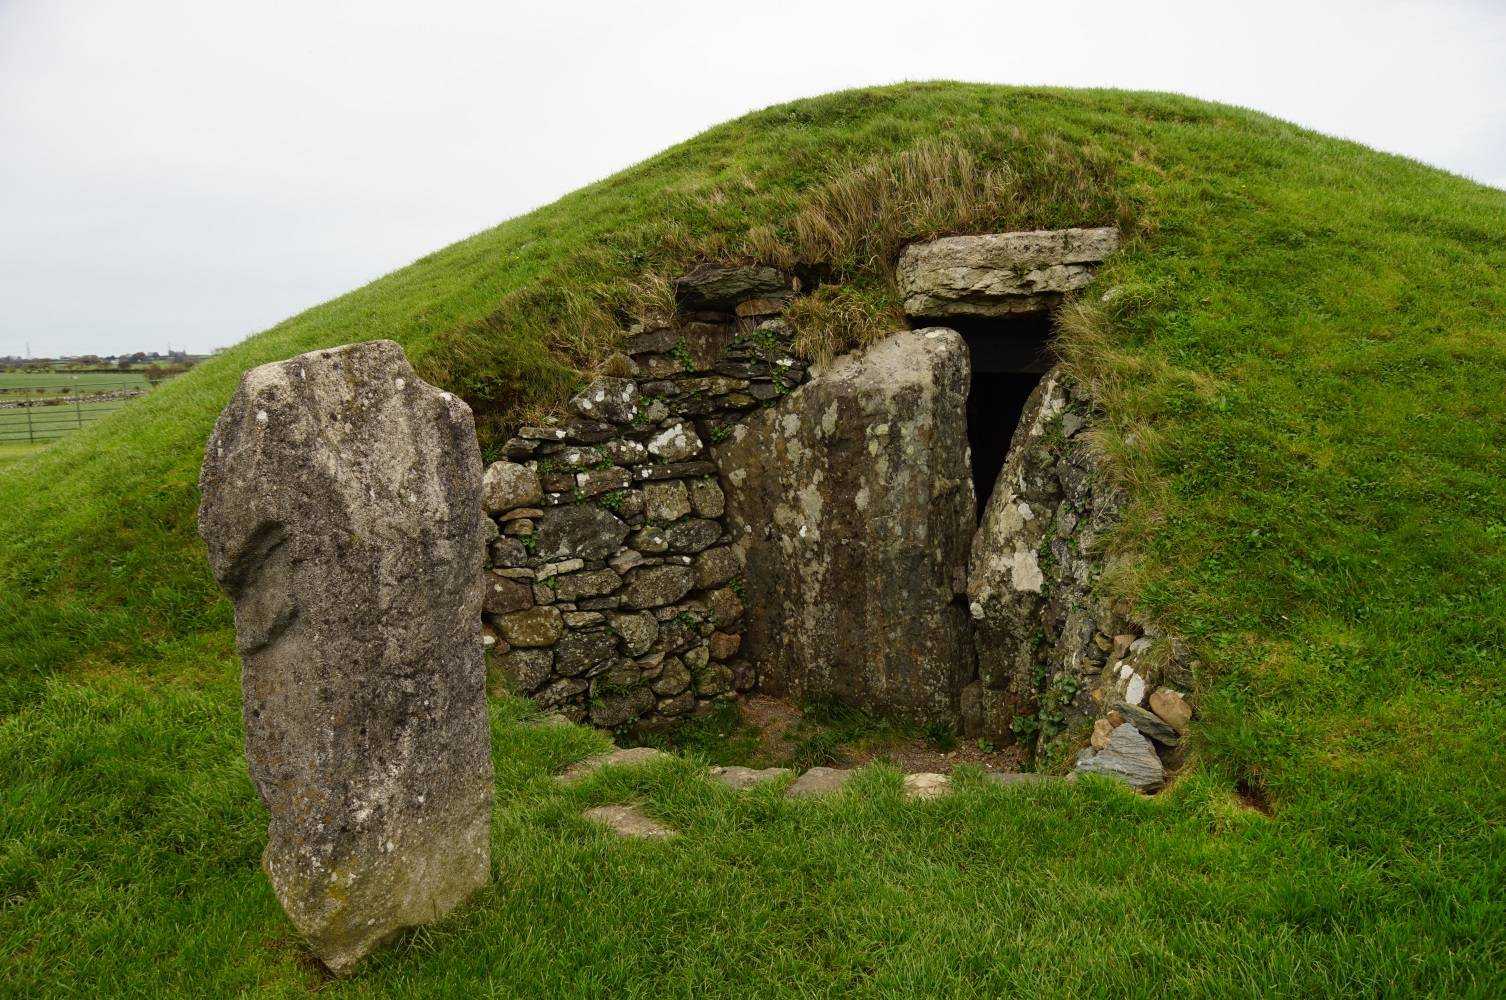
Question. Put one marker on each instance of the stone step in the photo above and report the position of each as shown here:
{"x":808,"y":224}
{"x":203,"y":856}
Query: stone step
{"x":926,"y":785}
{"x":630,"y":821}
{"x":739,"y":778}
{"x":819,"y":781}
{"x":637,"y":755}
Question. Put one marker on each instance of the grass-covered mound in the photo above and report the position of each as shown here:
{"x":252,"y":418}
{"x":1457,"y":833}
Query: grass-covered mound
{"x":1305,"y":375}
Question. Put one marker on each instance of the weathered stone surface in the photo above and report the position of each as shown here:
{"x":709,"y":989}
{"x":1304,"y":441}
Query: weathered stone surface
{"x":580,"y":530}
{"x":692,"y":534}
{"x":610,"y":399}
{"x":725,"y":606}
{"x":819,"y":781}
{"x":854,"y":499}
{"x":707,"y":498}
{"x":527,"y":669}
{"x":507,"y":486}
{"x":638,"y":632}
{"x":666,"y":501}
{"x":342,"y":513}
{"x":675,"y":443}
{"x":1149,"y":724}
{"x":926,"y":785}
{"x":741,"y":778}
{"x":656,"y":586}
{"x":587,"y":583}
{"x":1129,"y":757}
{"x":561,"y":691}
{"x":620,"y":695}
{"x":724,"y":645}
{"x":508,"y":552}
{"x":723,"y":288}
{"x":613,"y":758}
{"x":629,"y":821}
{"x":1103,"y":731}
{"x":713,"y":681}
{"x":598,"y":481}
{"x":674,"y":677}
{"x":1172,"y":708}
{"x":578,"y":652}
{"x":504,"y":595}
{"x":540,"y":626}
{"x":1001,"y":273}
{"x":716,"y":567}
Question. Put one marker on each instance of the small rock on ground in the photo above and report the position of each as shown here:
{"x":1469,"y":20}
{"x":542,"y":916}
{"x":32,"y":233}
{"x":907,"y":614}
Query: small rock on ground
{"x":926,"y":785}
{"x":740,"y":778}
{"x":589,"y":766}
{"x":630,"y":821}
{"x":818,"y":781}
{"x":1129,"y":757}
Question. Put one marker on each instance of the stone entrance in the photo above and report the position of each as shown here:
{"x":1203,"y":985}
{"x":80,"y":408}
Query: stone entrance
{"x":902,"y":530}
{"x":1007,"y":357}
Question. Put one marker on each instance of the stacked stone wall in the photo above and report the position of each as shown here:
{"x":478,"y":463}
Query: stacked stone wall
{"x":613,"y":587}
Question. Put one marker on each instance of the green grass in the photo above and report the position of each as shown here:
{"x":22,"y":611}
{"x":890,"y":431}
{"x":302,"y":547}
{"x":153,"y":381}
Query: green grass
{"x":12,"y":451}
{"x":1305,"y":384}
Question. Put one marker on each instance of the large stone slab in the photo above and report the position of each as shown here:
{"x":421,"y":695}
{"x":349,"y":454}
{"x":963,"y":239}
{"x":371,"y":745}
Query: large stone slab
{"x":342,"y":512}
{"x":1036,"y":558}
{"x":853,"y":501}
{"x":1000,"y":273}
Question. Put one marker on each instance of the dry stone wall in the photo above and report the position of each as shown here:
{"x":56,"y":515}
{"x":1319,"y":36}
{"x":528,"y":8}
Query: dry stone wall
{"x":613,"y":589}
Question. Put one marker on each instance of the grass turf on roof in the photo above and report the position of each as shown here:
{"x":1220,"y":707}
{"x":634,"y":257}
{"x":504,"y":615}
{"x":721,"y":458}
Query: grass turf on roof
{"x":1304,"y":376}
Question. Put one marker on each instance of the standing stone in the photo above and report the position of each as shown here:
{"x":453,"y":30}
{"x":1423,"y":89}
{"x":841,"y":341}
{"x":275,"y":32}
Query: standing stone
{"x":854,"y":499}
{"x":1030,"y":592}
{"x":341,"y":509}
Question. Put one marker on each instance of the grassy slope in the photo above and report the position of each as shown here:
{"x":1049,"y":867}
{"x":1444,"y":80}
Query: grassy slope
{"x":1308,"y":362}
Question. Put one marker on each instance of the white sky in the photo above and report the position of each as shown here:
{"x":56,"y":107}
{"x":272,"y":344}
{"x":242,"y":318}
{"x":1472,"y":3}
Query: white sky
{"x":188,"y":172}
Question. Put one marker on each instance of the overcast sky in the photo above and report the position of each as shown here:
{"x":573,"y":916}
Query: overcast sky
{"x":188,"y":173}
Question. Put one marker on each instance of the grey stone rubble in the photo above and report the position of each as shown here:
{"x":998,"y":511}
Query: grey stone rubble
{"x":1129,"y":757}
{"x":342,"y":514}
{"x":1001,"y":273}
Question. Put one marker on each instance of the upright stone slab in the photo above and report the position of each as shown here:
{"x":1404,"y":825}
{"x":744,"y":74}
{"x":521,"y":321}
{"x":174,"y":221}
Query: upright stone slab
{"x":342,"y":511}
{"x":1035,"y":562}
{"x":853,"y":501}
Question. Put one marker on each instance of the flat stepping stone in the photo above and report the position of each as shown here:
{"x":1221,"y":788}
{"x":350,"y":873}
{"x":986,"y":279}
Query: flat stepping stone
{"x":630,"y":821}
{"x":589,"y":766}
{"x":926,"y":785}
{"x":819,"y":781}
{"x":740,"y":778}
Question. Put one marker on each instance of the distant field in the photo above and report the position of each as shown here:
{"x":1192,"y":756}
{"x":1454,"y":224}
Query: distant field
{"x":97,"y":381}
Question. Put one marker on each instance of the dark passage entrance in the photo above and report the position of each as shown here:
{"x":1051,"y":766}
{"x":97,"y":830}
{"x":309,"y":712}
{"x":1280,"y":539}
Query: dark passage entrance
{"x":1009,"y":356}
